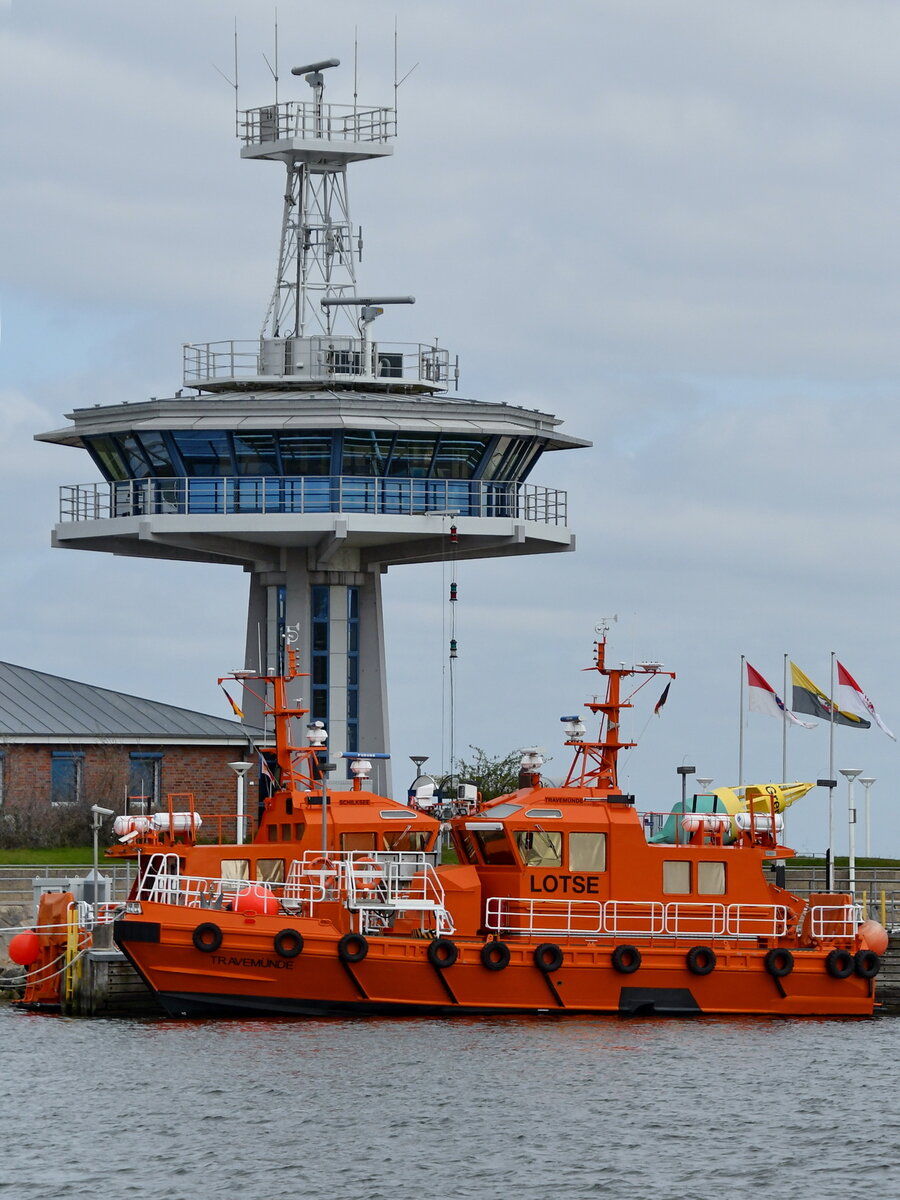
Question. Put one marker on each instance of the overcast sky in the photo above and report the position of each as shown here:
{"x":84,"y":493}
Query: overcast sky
{"x":670,"y":222}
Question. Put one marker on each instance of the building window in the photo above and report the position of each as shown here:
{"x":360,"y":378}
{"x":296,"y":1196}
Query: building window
{"x":353,"y":669}
{"x":66,"y":772}
{"x":144,"y":776}
{"x":2,"y":777}
{"x":321,"y":611}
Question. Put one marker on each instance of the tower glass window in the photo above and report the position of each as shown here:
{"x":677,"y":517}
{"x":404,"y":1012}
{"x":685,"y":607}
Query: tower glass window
{"x":458,"y":457}
{"x":353,"y":669}
{"x":366,"y":453}
{"x":305,"y":453}
{"x":321,"y":610}
{"x":204,"y":454}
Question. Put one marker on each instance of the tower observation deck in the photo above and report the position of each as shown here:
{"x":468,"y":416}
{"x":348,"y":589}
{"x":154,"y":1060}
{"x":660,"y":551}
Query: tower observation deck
{"x":316,"y":456}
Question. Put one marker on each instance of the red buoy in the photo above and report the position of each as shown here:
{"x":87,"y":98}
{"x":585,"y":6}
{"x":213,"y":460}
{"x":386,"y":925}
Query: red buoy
{"x":257,"y":900}
{"x":25,"y":948}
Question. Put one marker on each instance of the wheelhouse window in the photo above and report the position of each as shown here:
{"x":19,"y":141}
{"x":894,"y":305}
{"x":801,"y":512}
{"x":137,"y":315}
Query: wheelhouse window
{"x":587,"y":851}
{"x":539,"y":849}
{"x":405,"y":839}
{"x":235,"y":868}
{"x":362,"y":840}
{"x":676,"y":877}
{"x":270,"y":870}
{"x":66,"y":772}
{"x":711,"y":878}
{"x":495,"y":848}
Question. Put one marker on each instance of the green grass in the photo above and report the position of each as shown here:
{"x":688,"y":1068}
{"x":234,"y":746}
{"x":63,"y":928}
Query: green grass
{"x":59,"y":856}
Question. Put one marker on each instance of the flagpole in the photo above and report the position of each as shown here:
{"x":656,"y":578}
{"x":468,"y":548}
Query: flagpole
{"x":741,"y":729}
{"x":784,"y":721}
{"x":831,"y":770}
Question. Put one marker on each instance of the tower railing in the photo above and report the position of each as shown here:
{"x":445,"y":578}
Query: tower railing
{"x":307,"y":120}
{"x":319,"y":359}
{"x":310,"y":494}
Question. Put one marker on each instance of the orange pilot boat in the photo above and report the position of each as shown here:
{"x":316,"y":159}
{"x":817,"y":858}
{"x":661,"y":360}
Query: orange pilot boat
{"x":564,"y":898}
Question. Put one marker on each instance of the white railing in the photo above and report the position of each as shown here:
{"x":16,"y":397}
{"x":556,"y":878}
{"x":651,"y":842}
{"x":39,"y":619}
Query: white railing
{"x":634,"y":918}
{"x":384,"y":882}
{"x":238,"y":495}
{"x":838,"y":920}
{"x":303,"y":119}
{"x":317,"y":359}
{"x":512,"y":915}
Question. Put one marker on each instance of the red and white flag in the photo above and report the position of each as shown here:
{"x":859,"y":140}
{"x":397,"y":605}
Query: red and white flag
{"x":763,"y":698}
{"x":854,"y":699}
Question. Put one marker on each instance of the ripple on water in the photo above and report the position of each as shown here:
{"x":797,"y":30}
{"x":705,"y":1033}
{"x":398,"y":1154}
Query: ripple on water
{"x":518,"y":1108}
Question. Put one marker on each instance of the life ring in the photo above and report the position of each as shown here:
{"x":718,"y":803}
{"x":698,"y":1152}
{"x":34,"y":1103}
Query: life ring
{"x":701,"y":960}
{"x":207,"y":937}
{"x":288,"y":943}
{"x":548,"y":957}
{"x":626,"y":959}
{"x":326,"y":868}
{"x":495,"y":955}
{"x":352,"y":948}
{"x":367,"y":874}
{"x":442,"y":953}
{"x":839,"y":964}
{"x":867,"y":963}
{"x":779,"y":962}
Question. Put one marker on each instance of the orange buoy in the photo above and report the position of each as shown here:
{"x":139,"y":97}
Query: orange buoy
{"x":257,"y":900}
{"x":872,"y":935}
{"x":25,"y":948}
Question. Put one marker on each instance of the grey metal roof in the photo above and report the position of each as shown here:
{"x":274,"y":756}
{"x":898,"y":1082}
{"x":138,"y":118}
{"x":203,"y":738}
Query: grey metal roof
{"x":34,"y":704}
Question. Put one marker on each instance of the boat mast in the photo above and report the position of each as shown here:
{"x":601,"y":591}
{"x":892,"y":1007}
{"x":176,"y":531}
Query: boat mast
{"x":595,"y":764}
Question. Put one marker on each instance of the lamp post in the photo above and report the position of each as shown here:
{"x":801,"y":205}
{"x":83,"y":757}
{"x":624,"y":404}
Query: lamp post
{"x":851,"y":830}
{"x":867,"y":781}
{"x":97,"y":815}
{"x":831,"y":784}
{"x":240,"y":769}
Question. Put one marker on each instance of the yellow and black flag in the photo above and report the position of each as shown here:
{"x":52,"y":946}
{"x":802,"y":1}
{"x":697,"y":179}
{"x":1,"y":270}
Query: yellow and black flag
{"x":810,"y":699}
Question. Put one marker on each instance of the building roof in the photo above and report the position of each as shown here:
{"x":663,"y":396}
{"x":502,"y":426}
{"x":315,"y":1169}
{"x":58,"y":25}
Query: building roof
{"x":36,"y":705}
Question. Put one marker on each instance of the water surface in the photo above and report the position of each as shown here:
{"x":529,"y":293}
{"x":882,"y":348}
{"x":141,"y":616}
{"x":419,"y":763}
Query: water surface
{"x":385,"y":1109}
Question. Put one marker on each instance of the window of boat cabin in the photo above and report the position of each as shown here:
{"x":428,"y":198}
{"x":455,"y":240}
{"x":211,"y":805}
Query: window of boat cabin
{"x":361,"y":840}
{"x":465,"y":847}
{"x":676,"y":877}
{"x":495,"y":848}
{"x":405,"y":839}
{"x":538,"y":848}
{"x":270,"y":870}
{"x":711,"y":878}
{"x":235,"y":868}
{"x":587,"y":851}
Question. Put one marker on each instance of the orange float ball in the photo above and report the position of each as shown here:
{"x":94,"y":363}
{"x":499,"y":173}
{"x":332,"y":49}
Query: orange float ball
{"x":24,"y":948}
{"x":257,"y":901}
{"x":873,"y":936}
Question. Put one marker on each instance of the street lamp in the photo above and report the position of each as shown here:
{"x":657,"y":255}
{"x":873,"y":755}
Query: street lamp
{"x":867,"y":781}
{"x":97,"y":815}
{"x":831,"y":784}
{"x":851,"y":829}
{"x":240,"y":769}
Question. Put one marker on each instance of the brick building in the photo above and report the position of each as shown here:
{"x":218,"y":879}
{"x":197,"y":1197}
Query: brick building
{"x":64,"y":743}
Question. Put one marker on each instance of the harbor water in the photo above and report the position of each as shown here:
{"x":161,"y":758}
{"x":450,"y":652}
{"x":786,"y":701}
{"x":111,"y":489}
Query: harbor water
{"x":372,"y":1109}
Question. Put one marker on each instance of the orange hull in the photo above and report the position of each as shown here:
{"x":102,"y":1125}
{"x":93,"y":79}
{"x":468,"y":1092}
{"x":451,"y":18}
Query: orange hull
{"x":245,"y":974}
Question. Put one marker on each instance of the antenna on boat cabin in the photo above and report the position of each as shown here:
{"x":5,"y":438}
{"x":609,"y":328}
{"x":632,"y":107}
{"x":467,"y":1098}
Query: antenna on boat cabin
{"x":605,"y":622}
